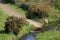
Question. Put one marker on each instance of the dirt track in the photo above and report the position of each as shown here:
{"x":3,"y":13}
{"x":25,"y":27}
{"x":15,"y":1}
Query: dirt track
{"x":12,"y":12}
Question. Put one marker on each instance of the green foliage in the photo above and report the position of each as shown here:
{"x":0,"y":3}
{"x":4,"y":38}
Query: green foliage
{"x":38,"y":11}
{"x":50,"y":35}
{"x":54,"y":13}
{"x":54,"y":16}
{"x":24,"y":6}
{"x":8,"y":1}
{"x":57,"y":3}
{"x":27,"y":28}
{"x":13,"y":24}
{"x":7,"y":37}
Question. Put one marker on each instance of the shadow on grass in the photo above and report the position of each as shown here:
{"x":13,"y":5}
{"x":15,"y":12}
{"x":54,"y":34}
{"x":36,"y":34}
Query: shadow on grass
{"x":3,"y":32}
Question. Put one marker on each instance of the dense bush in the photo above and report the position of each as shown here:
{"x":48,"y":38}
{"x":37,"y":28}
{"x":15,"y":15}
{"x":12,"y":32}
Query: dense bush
{"x":38,"y":11}
{"x":13,"y":24}
{"x":24,"y":6}
{"x":9,"y":1}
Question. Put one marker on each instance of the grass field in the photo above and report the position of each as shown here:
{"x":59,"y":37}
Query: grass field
{"x":50,"y":35}
{"x":3,"y":17}
{"x":7,"y":37}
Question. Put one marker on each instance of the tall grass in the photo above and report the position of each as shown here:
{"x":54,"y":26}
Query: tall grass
{"x":3,"y":17}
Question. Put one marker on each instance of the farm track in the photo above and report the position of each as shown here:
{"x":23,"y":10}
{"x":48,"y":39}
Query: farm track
{"x":12,"y":12}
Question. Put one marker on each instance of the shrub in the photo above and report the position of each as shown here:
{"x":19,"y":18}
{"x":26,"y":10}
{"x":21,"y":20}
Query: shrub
{"x":54,"y":16}
{"x":9,"y":1}
{"x":13,"y":24}
{"x":38,"y":11}
{"x":24,"y":6}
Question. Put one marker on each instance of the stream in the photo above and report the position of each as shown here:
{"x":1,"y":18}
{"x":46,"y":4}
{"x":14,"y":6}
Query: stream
{"x":31,"y":36}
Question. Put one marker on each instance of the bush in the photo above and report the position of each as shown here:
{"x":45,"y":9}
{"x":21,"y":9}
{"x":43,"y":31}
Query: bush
{"x":24,"y":6}
{"x":9,"y":1}
{"x":13,"y":24}
{"x":38,"y":11}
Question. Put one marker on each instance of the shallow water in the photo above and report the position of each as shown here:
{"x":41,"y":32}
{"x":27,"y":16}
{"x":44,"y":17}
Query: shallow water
{"x":32,"y":35}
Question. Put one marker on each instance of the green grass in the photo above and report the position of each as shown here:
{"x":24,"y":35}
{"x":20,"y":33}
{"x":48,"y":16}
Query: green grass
{"x":3,"y":17}
{"x":27,"y":28}
{"x":54,"y":16}
{"x":20,"y":10}
{"x":50,"y":35}
{"x":7,"y":36}
{"x":4,"y":36}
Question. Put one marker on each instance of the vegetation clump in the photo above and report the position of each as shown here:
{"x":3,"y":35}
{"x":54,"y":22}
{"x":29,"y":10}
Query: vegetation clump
{"x":57,"y":4}
{"x":24,"y":6}
{"x":13,"y":24}
{"x":9,"y":1}
{"x":38,"y":11}
{"x":26,"y":29}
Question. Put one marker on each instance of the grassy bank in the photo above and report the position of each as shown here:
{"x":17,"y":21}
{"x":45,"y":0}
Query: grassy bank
{"x":7,"y":37}
{"x":50,"y":35}
{"x":3,"y":17}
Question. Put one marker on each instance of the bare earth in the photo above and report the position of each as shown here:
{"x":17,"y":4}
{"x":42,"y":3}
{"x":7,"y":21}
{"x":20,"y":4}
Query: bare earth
{"x":12,"y":12}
